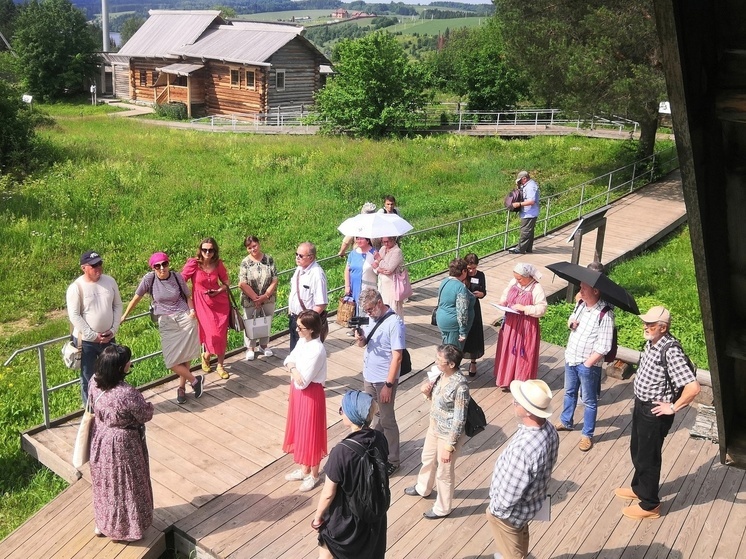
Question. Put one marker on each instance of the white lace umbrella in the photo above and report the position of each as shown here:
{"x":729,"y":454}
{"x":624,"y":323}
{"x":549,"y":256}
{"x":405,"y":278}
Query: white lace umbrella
{"x":375,"y":226}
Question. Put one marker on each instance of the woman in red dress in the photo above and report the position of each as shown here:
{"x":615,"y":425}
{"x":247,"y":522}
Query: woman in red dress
{"x":210,"y":284}
{"x":517,"y":356}
{"x":305,"y":429}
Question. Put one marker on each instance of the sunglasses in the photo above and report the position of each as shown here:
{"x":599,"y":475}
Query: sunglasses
{"x":161,"y":265}
{"x":207,"y":250}
{"x":301,"y":255}
{"x":97,"y":265}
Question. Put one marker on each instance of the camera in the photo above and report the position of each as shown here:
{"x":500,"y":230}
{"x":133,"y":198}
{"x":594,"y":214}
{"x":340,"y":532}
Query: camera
{"x":358,"y":321}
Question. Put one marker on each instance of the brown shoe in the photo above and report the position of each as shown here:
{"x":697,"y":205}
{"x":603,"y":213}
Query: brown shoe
{"x":636,"y":512}
{"x":625,"y":493}
{"x":585,"y":444}
{"x":562,"y":427}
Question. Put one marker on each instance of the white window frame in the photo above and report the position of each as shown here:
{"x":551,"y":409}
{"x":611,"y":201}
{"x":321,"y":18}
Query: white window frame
{"x":279,"y":73}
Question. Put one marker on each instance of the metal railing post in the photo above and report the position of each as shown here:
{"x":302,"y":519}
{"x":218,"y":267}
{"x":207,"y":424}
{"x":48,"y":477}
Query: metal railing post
{"x":458,"y":239}
{"x":44,"y":390}
{"x":608,"y":189}
{"x":548,"y":206}
{"x":634,"y":176}
{"x":582,"y":199}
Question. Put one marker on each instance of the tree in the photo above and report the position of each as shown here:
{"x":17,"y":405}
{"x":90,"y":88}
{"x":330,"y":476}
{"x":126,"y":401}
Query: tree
{"x":130,"y":27}
{"x":8,"y":13}
{"x":55,"y":50}
{"x":472,"y":63}
{"x":18,"y":128}
{"x":595,"y":57}
{"x":375,"y":89}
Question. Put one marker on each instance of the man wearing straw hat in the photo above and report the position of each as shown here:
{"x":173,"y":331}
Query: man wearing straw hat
{"x":522,"y":472}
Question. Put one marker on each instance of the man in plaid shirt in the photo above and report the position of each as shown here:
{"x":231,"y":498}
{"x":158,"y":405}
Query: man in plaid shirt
{"x":591,"y":332}
{"x":654,"y":410}
{"x":523,"y":470}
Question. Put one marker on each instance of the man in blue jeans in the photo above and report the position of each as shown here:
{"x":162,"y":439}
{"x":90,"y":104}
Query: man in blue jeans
{"x":591,"y":333}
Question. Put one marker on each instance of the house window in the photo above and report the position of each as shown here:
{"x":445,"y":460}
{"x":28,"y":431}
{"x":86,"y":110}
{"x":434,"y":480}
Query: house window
{"x":180,"y":81}
{"x":235,"y":78}
{"x":154,"y":76}
{"x":280,"y":77}
{"x":250,"y":80}
{"x":143,"y":78}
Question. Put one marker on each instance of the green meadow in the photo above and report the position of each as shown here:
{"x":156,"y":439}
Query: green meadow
{"x":127,"y":189}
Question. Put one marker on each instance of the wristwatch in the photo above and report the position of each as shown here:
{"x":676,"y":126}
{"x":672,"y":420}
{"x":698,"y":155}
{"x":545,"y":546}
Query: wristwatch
{"x":389,"y":384}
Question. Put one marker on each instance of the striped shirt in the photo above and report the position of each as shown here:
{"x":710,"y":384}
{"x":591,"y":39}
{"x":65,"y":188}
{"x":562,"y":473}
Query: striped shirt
{"x":593,"y":333}
{"x":522,"y":474}
{"x":650,"y":379}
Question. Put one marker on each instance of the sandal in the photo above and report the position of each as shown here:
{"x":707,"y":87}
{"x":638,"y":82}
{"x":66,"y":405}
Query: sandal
{"x":473,"y":369}
{"x":206,"y":362}
{"x":222,"y":373}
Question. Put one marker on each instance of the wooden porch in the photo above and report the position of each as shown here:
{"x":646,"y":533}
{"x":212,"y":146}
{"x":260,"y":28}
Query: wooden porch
{"x":218,"y":468}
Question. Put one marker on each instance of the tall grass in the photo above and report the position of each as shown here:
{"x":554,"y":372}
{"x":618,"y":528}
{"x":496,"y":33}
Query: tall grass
{"x":127,"y":189}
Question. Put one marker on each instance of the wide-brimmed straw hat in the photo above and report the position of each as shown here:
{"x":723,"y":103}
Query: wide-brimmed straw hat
{"x":534,"y":396}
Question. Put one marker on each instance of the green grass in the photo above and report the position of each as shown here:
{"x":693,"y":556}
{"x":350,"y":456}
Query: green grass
{"x":127,"y":189}
{"x":663,"y":275}
{"x":436,"y":26}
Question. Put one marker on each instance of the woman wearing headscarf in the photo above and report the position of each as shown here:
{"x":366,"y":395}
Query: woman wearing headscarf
{"x":455,"y":313}
{"x":342,"y":534}
{"x":445,"y":436}
{"x":120,"y":469}
{"x":305,"y":429}
{"x":518,"y":342}
{"x":173,"y":308}
{"x":210,"y":285}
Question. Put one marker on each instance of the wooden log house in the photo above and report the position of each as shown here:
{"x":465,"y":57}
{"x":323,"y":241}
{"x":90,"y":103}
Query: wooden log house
{"x":216,"y":67}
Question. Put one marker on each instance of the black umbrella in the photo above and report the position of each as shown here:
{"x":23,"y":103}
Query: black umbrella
{"x":610,"y":292}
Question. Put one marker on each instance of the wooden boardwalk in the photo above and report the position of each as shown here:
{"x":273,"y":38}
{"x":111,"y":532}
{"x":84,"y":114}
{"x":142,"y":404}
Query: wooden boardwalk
{"x":218,"y":468}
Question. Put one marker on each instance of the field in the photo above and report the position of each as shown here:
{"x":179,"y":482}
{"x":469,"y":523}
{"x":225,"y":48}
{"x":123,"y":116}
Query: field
{"x":128,"y":189}
{"x":435,"y":26}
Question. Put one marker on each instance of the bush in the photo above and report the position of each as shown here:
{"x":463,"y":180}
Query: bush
{"x":172,"y":111}
{"x":17,"y":125}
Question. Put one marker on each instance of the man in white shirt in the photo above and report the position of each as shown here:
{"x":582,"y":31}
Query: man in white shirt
{"x":94,"y":308}
{"x":307,"y":290}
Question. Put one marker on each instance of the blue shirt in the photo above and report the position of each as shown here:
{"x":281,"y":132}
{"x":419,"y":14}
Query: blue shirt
{"x":389,"y":336}
{"x":530,"y":192}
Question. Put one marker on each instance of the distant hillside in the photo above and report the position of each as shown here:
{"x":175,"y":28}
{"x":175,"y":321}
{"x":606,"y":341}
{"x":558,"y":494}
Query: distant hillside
{"x":93,"y":7}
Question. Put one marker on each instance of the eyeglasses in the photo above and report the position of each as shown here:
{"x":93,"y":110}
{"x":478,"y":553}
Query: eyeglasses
{"x":207,"y":250}
{"x":161,"y":265}
{"x":369,"y":310}
{"x":650,"y":325}
{"x":97,"y":264}
{"x":302,"y":255}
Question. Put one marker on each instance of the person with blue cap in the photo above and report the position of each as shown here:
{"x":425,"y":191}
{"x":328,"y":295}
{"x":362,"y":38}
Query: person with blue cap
{"x":335,"y":516}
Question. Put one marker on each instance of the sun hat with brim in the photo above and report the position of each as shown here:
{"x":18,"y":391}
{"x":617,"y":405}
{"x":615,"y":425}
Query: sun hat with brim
{"x":157,"y":258}
{"x":534,"y":396}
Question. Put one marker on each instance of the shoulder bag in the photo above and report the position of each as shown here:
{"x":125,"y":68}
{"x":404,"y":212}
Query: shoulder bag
{"x":235,"y":320}
{"x":82,"y":448}
{"x":402,"y":285}
{"x":72,"y":353}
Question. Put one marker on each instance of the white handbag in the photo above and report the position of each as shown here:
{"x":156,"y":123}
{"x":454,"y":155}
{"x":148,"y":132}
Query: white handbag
{"x":82,"y":448}
{"x":71,"y":355}
{"x":258,"y":327}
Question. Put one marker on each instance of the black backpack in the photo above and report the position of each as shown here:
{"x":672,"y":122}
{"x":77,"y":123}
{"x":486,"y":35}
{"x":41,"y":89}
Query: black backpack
{"x":515,"y":195}
{"x":372,"y":496}
{"x":664,"y":363}
{"x":475,"y":419}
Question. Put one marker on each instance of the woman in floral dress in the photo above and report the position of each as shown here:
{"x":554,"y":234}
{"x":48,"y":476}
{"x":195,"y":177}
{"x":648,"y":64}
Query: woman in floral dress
{"x":210,"y":284}
{"x":120,"y":471}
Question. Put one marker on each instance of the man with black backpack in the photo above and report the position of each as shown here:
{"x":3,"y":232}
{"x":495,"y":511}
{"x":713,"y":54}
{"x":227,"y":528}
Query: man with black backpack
{"x":528,"y":206}
{"x":665,"y":382}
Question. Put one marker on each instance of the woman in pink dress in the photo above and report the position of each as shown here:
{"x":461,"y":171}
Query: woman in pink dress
{"x":210,"y":284}
{"x":517,"y":356}
{"x":305,"y":430}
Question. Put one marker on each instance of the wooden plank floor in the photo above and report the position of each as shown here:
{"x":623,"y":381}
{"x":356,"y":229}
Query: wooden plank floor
{"x":217,"y":464}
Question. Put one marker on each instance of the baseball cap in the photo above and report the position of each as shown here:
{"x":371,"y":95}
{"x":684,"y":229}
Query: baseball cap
{"x":90,"y":258}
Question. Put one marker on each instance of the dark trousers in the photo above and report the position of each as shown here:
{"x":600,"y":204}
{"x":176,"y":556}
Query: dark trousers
{"x":89,"y":354}
{"x":646,"y":446}
{"x":293,"y":325}
{"x":526,"y":241}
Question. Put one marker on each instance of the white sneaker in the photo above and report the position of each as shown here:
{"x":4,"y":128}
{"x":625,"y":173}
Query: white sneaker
{"x":268,"y":352}
{"x":295,"y":475}
{"x":309,"y":483}
{"x":249,"y":355}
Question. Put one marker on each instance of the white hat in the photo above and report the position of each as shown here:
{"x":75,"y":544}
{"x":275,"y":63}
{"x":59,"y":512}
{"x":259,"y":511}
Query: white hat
{"x":534,"y":396}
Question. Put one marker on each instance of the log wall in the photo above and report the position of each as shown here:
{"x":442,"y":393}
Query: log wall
{"x":223,"y":98}
{"x":302,"y":77}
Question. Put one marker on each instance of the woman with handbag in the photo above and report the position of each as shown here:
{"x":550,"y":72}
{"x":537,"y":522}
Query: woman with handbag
{"x":305,"y":430}
{"x":172,"y":309}
{"x":210,"y":285}
{"x":388,"y":263}
{"x":257,"y":280}
{"x":359,"y":272}
{"x":455,"y":311}
{"x":120,"y":468}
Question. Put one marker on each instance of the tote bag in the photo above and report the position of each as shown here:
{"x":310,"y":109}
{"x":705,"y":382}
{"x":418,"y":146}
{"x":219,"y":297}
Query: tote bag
{"x":235,"y":320}
{"x":82,"y":448}
{"x":258,"y":327}
{"x":402,"y":285}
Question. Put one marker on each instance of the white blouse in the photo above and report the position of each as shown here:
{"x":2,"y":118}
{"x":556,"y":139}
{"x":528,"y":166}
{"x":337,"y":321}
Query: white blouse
{"x":309,"y":358}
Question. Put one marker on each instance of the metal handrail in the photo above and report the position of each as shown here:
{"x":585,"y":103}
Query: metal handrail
{"x":639,"y":173}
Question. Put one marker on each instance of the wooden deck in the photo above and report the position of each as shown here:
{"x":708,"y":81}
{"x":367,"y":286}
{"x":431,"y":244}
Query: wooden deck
{"x":218,"y":468}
